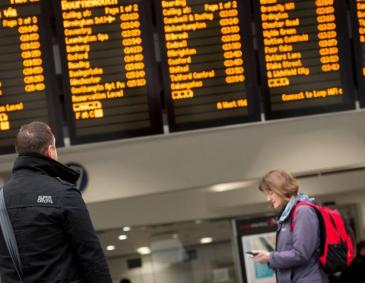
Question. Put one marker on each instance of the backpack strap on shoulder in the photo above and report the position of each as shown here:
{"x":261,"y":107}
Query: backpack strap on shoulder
{"x":299,"y":204}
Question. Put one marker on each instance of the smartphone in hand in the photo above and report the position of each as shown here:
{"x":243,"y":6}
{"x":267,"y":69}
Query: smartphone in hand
{"x":252,"y":253}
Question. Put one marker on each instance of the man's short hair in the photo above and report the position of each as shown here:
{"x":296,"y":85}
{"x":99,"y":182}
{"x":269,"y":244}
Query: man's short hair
{"x":34,"y":137}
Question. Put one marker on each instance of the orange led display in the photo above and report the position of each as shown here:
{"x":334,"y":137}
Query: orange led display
{"x":358,"y":20}
{"x":360,"y":12}
{"x":105,"y":58}
{"x":206,"y":55}
{"x":24,"y":95}
{"x":301,"y":51}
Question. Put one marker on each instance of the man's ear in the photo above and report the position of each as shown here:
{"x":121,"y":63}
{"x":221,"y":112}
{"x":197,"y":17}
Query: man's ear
{"x":48,"y":152}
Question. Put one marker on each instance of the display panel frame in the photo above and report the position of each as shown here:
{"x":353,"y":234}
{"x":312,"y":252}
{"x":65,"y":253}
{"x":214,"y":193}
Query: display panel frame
{"x":152,"y":78}
{"x":251,"y":82}
{"x":346,"y":73}
{"x":359,"y":59}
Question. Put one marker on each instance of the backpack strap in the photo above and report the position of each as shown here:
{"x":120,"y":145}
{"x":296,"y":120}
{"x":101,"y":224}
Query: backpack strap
{"x":299,"y":204}
{"x":323,"y":246}
{"x":9,"y":237}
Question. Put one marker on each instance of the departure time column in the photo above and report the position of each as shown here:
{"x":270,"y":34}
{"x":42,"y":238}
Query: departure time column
{"x":327,"y":35}
{"x":132,"y":46}
{"x":360,"y":15}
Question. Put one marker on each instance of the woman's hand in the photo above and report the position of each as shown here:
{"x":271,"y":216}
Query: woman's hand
{"x":261,"y":257}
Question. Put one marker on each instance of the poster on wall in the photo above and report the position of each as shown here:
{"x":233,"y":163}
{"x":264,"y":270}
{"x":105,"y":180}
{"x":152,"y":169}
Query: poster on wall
{"x":255,"y":234}
{"x":258,"y":273}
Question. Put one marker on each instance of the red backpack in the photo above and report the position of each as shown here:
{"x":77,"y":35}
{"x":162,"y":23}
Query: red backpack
{"x":337,"y":241}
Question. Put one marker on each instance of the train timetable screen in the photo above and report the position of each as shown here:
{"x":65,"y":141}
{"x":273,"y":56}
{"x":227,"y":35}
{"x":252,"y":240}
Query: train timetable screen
{"x":108,"y":55}
{"x":207,"y":63}
{"x":24,"y":88}
{"x":305,"y":56}
{"x":358,"y":17}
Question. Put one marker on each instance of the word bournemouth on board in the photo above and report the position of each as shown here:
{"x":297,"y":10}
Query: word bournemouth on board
{"x":207,"y":63}
{"x":305,"y":56}
{"x":108,"y":55}
{"x":25,"y":93}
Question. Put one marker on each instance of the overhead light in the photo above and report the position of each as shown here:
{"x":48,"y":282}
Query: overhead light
{"x":123,"y":237}
{"x":110,"y":248}
{"x":206,"y":240}
{"x":232,"y":186}
{"x":126,"y":228}
{"x":144,"y":250}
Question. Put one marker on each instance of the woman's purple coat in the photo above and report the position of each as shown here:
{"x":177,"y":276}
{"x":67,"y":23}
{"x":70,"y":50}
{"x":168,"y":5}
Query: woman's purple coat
{"x":296,"y":259}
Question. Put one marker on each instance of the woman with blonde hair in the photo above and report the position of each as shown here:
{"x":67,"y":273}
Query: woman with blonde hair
{"x":296,"y":258}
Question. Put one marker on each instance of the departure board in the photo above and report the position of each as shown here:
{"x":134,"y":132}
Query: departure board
{"x":25,"y":87}
{"x":358,"y":23}
{"x":26,"y":69}
{"x":109,"y":68}
{"x":208,"y":63}
{"x":305,"y":56}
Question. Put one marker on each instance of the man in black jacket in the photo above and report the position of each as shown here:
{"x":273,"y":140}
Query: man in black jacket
{"x":56,"y":239}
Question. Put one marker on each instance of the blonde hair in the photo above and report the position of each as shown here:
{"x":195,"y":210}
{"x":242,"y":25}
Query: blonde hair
{"x":279,"y":182}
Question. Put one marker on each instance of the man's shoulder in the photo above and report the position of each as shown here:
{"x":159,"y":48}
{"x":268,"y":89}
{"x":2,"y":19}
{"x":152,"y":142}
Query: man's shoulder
{"x":41,"y":191}
{"x":38,"y":182}
{"x":63,"y":188}
{"x":64,"y":183}
{"x":56,"y":184}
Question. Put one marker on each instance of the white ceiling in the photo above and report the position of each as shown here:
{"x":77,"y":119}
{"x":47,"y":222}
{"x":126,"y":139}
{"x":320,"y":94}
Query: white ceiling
{"x":165,"y":237}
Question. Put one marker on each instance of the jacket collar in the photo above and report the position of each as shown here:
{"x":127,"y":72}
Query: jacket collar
{"x":40,"y":163}
{"x":286,"y":211}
